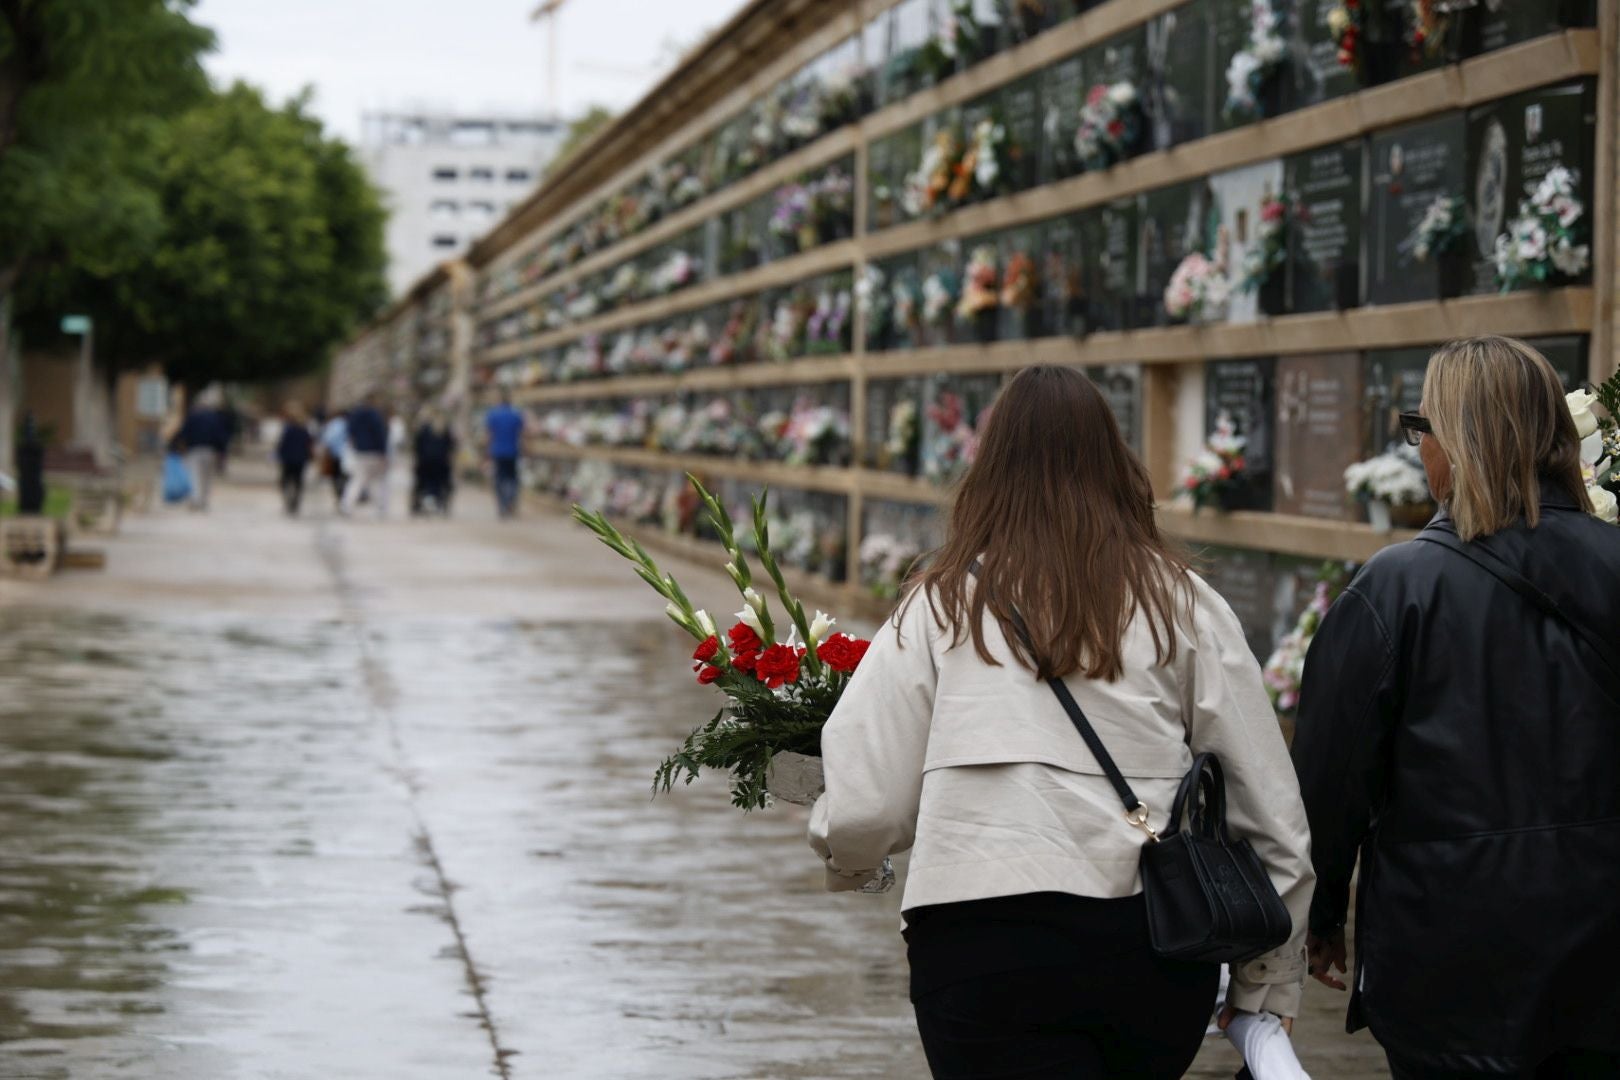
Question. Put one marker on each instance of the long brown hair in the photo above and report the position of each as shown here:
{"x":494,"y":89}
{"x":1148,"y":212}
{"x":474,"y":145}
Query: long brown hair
{"x":1059,"y":512}
{"x":1498,"y":411}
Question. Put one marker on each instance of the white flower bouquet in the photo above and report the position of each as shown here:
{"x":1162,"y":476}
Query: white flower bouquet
{"x":1256,"y":64}
{"x":1543,"y":243}
{"x":1198,"y":290}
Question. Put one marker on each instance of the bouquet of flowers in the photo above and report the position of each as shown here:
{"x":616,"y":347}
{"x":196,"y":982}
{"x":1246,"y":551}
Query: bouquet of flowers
{"x":1391,"y":477}
{"x":1110,"y":125}
{"x":815,"y":434}
{"x":980,"y":295}
{"x":1269,"y":251}
{"x":886,"y":562}
{"x":953,"y":444}
{"x":1544,"y":241}
{"x":1600,"y":444}
{"x":1344,"y":23}
{"x":928,"y":186}
{"x":1256,"y":64}
{"x":1285,"y":669}
{"x":1217,"y":473}
{"x":1442,"y":229}
{"x":677,"y":271}
{"x":1198,"y":289}
{"x":902,"y":440}
{"x":983,"y":169}
{"x":1018,"y":282}
{"x":832,"y":204}
{"x":1426,"y":26}
{"x":907,"y":306}
{"x":779,"y":690}
{"x":623,"y":286}
{"x":827,"y":325}
{"x":939,"y":292}
{"x":874,"y":301}
{"x":787,"y":330}
{"x":790,"y":219}
{"x":962,"y":40}
{"x":582,"y":306}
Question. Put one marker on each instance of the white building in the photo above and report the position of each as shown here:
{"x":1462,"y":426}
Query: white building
{"x":447,"y":179}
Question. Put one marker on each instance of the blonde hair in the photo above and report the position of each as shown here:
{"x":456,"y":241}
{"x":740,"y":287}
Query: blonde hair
{"x":1498,"y":412}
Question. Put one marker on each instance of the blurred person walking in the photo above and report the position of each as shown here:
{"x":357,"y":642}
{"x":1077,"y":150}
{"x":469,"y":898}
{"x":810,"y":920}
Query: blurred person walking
{"x":1459,"y":732}
{"x":334,"y":454}
{"x":435,"y":450}
{"x":1026,"y":924}
{"x":368,"y":437}
{"x":504,"y":425}
{"x":294,"y":449}
{"x":203,"y":437}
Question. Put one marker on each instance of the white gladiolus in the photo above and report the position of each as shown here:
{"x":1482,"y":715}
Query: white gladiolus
{"x":820,"y":627}
{"x":1580,"y":409}
{"x":705,"y":623}
{"x":750,"y":618}
{"x":674,"y":612}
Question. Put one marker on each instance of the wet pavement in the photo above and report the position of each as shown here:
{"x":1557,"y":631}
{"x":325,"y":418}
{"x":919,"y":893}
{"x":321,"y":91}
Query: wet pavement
{"x":327,"y":798}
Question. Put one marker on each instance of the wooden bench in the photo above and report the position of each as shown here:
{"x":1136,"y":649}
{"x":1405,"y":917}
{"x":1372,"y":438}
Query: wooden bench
{"x":98,"y":494}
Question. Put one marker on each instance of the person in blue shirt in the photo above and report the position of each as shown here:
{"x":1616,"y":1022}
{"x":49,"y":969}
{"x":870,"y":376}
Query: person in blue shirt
{"x":294,"y":449}
{"x":334,"y":451}
{"x":504,"y":424}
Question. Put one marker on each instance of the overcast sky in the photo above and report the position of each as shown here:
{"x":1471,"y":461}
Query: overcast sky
{"x":460,"y":54}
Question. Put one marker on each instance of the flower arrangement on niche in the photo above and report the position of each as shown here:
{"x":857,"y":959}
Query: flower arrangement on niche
{"x":1284,"y":671}
{"x":1253,"y":67}
{"x":980,"y":292}
{"x":1269,"y":252}
{"x":1345,"y":24}
{"x":1391,"y":480}
{"x":1199,"y":289}
{"x":1217,"y":475}
{"x":1441,"y":231}
{"x":1543,"y":244}
{"x":1110,"y":125}
{"x":1600,"y":444}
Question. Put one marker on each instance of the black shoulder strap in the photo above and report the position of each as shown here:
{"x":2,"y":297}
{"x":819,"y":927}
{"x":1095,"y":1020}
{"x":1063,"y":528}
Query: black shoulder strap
{"x":1072,"y":707}
{"x":1488,"y":561}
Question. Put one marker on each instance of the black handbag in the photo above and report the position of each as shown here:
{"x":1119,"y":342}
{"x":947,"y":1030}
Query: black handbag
{"x":1209,"y":897}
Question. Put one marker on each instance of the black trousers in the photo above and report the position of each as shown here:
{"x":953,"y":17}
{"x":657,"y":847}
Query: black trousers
{"x":292,"y":485}
{"x":1565,"y":1065}
{"x":1108,"y":1008}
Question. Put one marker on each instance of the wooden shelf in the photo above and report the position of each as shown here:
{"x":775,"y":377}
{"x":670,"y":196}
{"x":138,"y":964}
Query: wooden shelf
{"x":1310,"y":537}
{"x":836,"y":481}
{"x":1546,"y":60}
{"x":821,"y":369}
{"x":840,"y":255}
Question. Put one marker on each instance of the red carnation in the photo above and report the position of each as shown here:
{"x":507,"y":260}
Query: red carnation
{"x":708,"y":674}
{"x":777,"y":665}
{"x":708,"y":650}
{"x":744,"y":662}
{"x":843,"y":652}
{"x":1116,"y":128}
{"x":743,"y":639}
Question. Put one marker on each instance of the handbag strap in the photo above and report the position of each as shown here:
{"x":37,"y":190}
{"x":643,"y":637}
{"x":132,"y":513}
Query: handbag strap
{"x":1135,"y":812}
{"x":1492,"y":564}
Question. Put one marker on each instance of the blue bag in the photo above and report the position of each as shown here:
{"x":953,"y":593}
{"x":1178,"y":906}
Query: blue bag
{"x":176,"y":479}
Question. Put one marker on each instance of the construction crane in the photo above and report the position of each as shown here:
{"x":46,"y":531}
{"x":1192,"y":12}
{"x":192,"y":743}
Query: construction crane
{"x":548,"y":9}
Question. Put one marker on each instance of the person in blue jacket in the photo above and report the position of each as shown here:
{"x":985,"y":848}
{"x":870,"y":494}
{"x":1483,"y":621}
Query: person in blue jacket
{"x":368,"y":437}
{"x":293,"y":452}
{"x":504,"y":424}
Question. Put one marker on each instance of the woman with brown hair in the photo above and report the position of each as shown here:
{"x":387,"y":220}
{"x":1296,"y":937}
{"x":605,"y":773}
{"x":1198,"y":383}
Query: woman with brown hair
{"x":1459,"y":731}
{"x":1026,"y":928}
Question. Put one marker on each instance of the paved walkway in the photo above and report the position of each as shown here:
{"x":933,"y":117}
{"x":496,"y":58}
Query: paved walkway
{"x":347,"y":798}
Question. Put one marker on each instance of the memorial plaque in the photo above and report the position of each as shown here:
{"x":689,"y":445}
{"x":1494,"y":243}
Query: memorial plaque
{"x":1392,"y":383}
{"x":883,"y":183}
{"x":1023,"y":293}
{"x":1569,"y":355}
{"x":1237,"y":198}
{"x":1063,"y":91}
{"x":1500,"y":23}
{"x":1121,"y":386}
{"x":1063,"y":276}
{"x":1021,"y":112}
{"x":1324,"y":245}
{"x":1245,"y":390}
{"x":1411,"y":167}
{"x":1319,"y":426}
{"x":1515,"y":142}
{"x":1312,"y":74}
{"x":1175,"y":222}
{"x":1180,"y":91}
{"x":1247,"y":581}
{"x":1111,"y":240}
{"x":992,"y":34}
{"x":1122,"y":58}
{"x":905,"y":299}
{"x":910,"y":30}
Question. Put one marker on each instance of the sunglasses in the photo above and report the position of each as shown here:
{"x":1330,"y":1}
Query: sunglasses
{"x":1414,"y":426}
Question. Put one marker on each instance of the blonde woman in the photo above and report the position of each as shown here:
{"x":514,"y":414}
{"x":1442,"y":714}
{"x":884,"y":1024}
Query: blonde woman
{"x":1459,"y":730}
{"x":1026,"y":927}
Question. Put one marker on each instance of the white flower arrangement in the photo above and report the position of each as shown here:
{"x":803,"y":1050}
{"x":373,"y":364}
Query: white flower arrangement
{"x":938,"y":298}
{"x":1109,"y":124}
{"x":903,"y":433}
{"x":1442,"y":228}
{"x":914,"y":197}
{"x":582,"y":307}
{"x":1544,"y":239}
{"x":885,"y":560}
{"x":675,"y":272}
{"x":1255,"y":63}
{"x":1198,"y":289}
{"x":1390,"y":477}
{"x":989,"y":147}
{"x":1597,"y":464}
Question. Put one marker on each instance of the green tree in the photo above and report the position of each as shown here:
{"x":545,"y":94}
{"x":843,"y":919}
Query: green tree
{"x":269,"y":249}
{"x":581,"y":130}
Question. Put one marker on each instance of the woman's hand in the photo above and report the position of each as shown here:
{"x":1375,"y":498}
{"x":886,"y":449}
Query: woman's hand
{"x":1229,"y":1013}
{"x":1324,"y":955}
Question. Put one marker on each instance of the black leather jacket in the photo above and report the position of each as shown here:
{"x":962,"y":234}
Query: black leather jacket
{"x":1467,"y":745}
